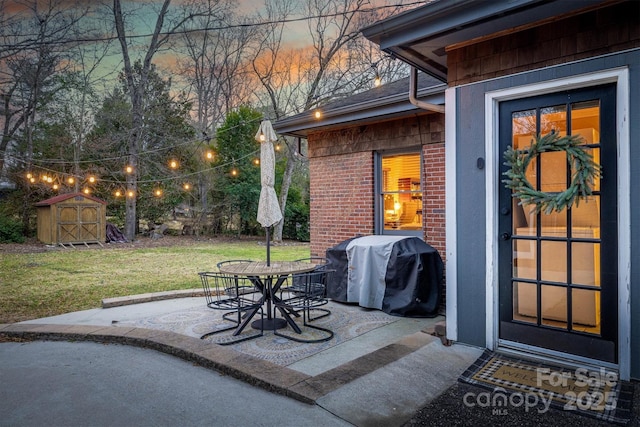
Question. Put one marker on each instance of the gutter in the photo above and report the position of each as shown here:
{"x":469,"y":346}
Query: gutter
{"x":413,"y":93}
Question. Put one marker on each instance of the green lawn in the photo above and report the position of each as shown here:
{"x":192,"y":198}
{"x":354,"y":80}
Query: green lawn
{"x":34,"y":285}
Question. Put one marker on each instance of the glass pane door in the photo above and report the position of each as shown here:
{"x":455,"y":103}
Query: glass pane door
{"x":551,"y":280}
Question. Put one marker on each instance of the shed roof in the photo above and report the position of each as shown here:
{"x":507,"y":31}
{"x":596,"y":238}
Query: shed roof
{"x":420,"y":36}
{"x":63,"y":197}
{"x":388,"y":101}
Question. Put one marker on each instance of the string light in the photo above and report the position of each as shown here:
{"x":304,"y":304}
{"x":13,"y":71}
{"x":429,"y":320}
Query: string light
{"x":278,"y":147}
{"x":262,"y":137}
{"x":317,"y":114}
{"x":56,"y":183}
{"x":377,"y":81}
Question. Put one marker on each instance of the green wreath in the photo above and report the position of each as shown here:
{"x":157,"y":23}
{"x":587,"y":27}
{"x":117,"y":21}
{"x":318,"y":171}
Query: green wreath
{"x":584,"y":171}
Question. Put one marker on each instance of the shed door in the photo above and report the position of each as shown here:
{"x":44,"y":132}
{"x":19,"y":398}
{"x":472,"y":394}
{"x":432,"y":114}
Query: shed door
{"x":78,"y":223}
{"x":558,"y":272}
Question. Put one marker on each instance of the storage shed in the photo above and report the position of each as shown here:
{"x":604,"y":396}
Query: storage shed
{"x":72,"y":218}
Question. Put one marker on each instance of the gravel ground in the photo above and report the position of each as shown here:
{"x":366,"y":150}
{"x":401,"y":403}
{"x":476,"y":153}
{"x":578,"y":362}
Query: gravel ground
{"x":449,"y":410}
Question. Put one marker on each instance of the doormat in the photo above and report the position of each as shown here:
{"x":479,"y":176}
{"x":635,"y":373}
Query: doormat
{"x":594,"y":393}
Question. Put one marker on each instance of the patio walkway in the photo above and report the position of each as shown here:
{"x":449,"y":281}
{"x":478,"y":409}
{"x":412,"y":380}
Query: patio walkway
{"x":379,"y":370}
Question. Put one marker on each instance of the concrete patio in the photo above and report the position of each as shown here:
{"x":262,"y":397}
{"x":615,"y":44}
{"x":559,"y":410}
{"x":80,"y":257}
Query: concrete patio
{"x":379,"y":372}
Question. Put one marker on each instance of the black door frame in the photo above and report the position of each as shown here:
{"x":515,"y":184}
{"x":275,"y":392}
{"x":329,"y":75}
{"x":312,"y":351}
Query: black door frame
{"x":605,"y":349}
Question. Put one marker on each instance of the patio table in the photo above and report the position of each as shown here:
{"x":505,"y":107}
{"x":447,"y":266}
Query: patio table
{"x":262,"y":276}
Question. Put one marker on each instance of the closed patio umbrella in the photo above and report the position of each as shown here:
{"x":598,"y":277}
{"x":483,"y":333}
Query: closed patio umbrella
{"x":268,"y":207}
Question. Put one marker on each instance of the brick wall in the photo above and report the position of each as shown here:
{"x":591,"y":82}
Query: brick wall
{"x":341,"y":199}
{"x":341,"y":167}
{"x":598,"y":32}
{"x":433,"y":209}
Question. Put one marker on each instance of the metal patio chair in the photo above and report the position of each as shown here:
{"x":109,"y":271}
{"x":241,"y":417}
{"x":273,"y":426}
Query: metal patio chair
{"x":306,"y":293}
{"x":321,"y":288}
{"x":228,"y":293}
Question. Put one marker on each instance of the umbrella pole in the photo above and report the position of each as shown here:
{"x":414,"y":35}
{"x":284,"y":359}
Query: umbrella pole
{"x":268,"y":248}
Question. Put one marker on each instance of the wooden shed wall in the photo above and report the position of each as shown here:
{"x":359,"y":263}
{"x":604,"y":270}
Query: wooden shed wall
{"x":75,"y":220}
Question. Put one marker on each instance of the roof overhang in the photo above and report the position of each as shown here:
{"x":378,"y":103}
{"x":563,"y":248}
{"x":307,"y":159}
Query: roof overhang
{"x":358,"y":114}
{"x":420,"y":36}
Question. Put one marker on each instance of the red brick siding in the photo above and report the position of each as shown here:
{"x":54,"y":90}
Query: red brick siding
{"x":341,"y":199}
{"x":341,"y":166}
{"x":598,"y":32}
{"x":433,"y":201}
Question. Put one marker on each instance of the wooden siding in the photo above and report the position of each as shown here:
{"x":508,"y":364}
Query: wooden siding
{"x":611,"y":29}
{"x":76,"y":219}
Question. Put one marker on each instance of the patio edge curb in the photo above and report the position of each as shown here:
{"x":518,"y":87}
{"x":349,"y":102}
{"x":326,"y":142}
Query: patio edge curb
{"x":150,"y":297}
{"x":266,"y":375}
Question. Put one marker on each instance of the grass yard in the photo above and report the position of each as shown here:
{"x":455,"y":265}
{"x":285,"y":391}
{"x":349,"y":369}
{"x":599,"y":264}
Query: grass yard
{"x":41,"y":284}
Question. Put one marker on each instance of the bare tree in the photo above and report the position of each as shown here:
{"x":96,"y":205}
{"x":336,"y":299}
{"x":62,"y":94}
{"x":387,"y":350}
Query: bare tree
{"x":214,"y":68}
{"x":214,"y":62}
{"x":338,"y":64}
{"x":34,"y":39}
{"x":136,"y":82}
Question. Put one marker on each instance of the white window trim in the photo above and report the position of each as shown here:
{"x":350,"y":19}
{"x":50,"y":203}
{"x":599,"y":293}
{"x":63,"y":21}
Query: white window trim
{"x":379,"y":214}
{"x":620,"y":76}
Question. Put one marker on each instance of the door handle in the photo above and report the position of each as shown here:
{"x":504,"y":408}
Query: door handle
{"x":505,"y":236}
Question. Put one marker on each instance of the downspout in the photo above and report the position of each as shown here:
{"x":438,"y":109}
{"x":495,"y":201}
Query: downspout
{"x":413,"y":92}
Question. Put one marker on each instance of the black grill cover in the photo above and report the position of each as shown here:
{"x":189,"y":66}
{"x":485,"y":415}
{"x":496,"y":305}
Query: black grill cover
{"x":413,"y":280}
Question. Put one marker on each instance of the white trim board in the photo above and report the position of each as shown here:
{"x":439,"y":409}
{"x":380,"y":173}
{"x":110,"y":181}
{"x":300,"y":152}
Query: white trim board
{"x":620,"y":76}
{"x":451,"y":224}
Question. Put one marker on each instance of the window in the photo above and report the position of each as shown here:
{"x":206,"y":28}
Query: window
{"x":400,"y":194}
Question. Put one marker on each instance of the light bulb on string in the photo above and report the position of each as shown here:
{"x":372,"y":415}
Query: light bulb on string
{"x":277,"y":147}
{"x":118,"y":193}
{"x":317,"y":114}
{"x":32,"y":180}
{"x":157,"y":192}
{"x":71,"y":180}
{"x":377,"y":81}
{"x":173,"y":164}
{"x":234,"y":171}
{"x":55,"y":187}
{"x":29,"y":175}
{"x":256,"y":162}
{"x":186,"y":186}
{"x":91,"y":179}
{"x":262,"y":136}
{"x":86,"y":190}
{"x":131,"y":194}
{"x":209,"y":155}
{"x":128,"y":169}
